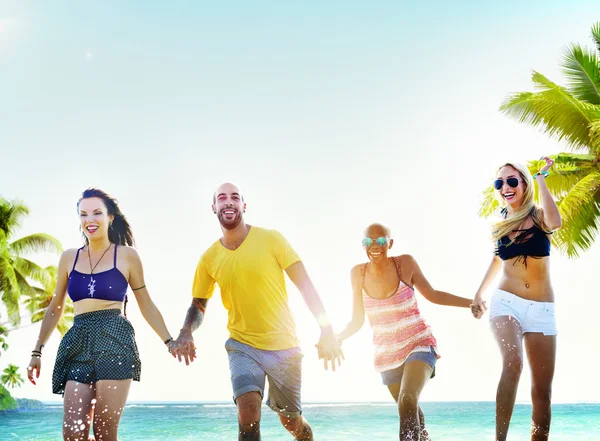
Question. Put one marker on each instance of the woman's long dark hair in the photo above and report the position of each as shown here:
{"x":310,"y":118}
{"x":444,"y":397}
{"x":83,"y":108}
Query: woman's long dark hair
{"x":119,"y":232}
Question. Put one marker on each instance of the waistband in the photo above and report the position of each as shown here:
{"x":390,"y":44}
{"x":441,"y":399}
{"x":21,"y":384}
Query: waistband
{"x":515,"y":298}
{"x":101,"y":314}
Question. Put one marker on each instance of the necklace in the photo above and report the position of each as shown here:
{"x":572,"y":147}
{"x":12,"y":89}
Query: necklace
{"x":90,"y":257}
{"x":92,"y":284}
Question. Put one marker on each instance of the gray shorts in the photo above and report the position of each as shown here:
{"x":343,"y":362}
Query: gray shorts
{"x":249,"y":367}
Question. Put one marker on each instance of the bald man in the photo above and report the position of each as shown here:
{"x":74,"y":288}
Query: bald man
{"x":248,"y":264}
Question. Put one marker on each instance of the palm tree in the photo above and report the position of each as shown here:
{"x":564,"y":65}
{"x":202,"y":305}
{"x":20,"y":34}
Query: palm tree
{"x":38,"y":304}
{"x":570,"y":114}
{"x":16,"y":272}
{"x":11,"y":377}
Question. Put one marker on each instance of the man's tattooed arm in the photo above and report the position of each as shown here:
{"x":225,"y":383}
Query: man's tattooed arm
{"x":195,"y":315}
{"x":184,"y":347}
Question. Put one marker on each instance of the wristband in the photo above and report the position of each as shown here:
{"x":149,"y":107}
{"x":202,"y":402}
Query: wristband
{"x":168,"y":340}
{"x":545,"y":174}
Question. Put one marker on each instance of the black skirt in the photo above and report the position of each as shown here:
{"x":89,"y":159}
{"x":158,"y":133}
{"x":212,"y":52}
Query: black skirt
{"x":100,"y":346}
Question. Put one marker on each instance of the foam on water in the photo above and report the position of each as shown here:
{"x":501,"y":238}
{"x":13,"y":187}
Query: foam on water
{"x":456,"y":421}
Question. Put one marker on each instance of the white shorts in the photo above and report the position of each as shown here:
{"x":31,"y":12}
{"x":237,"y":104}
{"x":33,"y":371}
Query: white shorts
{"x":532,"y":316}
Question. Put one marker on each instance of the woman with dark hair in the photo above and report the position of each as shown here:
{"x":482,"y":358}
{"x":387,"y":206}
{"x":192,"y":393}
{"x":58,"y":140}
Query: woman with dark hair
{"x":98,"y":357}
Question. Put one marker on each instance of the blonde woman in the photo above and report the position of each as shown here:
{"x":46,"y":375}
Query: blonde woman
{"x":522,"y":306}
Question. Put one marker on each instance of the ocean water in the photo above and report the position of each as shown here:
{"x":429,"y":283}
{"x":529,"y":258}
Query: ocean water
{"x":330,"y":422}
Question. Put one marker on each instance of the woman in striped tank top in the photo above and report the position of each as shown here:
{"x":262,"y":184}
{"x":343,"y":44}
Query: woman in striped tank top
{"x":405,"y":348}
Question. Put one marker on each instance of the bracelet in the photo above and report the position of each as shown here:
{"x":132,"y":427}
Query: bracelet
{"x":545,"y":174}
{"x":168,"y":340}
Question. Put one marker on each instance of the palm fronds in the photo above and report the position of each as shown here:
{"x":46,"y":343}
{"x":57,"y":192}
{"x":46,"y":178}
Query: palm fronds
{"x":580,"y":66}
{"x":580,"y":211}
{"x":559,"y":113}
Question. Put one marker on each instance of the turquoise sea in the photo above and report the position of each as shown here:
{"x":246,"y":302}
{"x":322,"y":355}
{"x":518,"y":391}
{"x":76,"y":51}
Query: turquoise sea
{"x":446,"y":421}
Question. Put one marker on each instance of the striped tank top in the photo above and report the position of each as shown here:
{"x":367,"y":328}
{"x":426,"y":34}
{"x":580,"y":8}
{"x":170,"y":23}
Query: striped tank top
{"x":398,"y":328}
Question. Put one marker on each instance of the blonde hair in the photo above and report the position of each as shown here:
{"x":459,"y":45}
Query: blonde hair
{"x":528,"y":208}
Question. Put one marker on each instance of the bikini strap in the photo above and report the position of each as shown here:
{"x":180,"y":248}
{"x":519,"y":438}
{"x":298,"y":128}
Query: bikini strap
{"x":363,"y":267}
{"x":396,"y":260}
{"x":115,"y":262}
{"x":76,"y":257}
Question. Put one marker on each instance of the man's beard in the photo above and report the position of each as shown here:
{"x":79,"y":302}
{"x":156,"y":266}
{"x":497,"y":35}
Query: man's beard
{"x":230,"y":224}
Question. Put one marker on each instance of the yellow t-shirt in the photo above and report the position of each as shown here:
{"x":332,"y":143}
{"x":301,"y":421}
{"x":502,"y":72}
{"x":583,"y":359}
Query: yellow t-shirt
{"x":252,"y":287}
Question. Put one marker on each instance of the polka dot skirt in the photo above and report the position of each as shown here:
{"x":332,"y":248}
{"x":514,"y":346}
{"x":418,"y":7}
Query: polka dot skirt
{"x":100,"y":346}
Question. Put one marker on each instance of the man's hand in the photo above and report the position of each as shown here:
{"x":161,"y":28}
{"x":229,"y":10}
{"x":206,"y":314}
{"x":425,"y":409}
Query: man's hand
{"x":329,"y":348}
{"x":184,"y":347}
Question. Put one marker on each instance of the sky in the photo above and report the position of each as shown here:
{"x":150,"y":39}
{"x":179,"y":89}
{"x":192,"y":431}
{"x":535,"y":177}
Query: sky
{"x":328,"y":117}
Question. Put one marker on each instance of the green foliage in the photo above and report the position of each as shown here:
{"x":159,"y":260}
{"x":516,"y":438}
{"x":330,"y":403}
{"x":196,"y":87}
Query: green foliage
{"x":3,"y":342}
{"x":18,"y":274}
{"x":570,"y":114}
{"x":38,"y":303}
{"x":11,"y":377}
{"x":7,"y":402}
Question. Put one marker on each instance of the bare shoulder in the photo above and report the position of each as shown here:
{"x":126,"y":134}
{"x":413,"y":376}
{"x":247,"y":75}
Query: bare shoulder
{"x":69,"y":255}
{"x":129,"y":255}
{"x":128,"y":252}
{"x":356,"y":273}
{"x":356,"y":270}
{"x":407,"y":261}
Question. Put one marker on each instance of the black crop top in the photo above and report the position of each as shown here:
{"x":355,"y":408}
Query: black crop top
{"x":531,"y":242}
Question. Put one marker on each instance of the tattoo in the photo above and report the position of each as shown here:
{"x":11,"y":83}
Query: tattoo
{"x":252,"y":435}
{"x":306,"y":434}
{"x":195,"y":314}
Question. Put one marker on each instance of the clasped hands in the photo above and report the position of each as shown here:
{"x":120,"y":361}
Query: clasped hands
{"x":183,"y":348}
{"x":329,"y":348}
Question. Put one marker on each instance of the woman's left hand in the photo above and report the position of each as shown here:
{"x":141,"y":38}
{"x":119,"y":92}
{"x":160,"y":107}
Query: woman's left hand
{"x":549,"y":163}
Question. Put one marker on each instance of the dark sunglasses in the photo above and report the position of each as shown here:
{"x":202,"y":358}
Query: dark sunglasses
{"x":512,"y":182}
{"x":381,"y":241}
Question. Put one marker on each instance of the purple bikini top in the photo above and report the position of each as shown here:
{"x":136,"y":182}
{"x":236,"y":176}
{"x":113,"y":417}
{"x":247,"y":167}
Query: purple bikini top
{"x":106,"y":285}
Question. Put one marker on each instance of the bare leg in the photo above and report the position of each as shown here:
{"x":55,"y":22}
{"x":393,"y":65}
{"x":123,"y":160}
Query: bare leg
{"x":248,"y":406}
{"x":111,"y":396}
{"x":395,"y":391}
{"x":298,"y":427}
{"x":78,"y":411}
{"x":415,"y":376}
{"x":508,"y":334}
{"x":541,"y":353}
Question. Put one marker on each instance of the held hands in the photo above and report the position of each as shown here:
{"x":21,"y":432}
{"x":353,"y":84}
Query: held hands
{"x":35,"y":366}
{"x":478,"y":307}
{"x":183,"y":347}
{"x":329,"y":348}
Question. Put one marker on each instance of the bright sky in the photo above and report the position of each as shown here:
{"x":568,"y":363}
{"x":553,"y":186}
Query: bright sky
{"x":328,"y":118}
